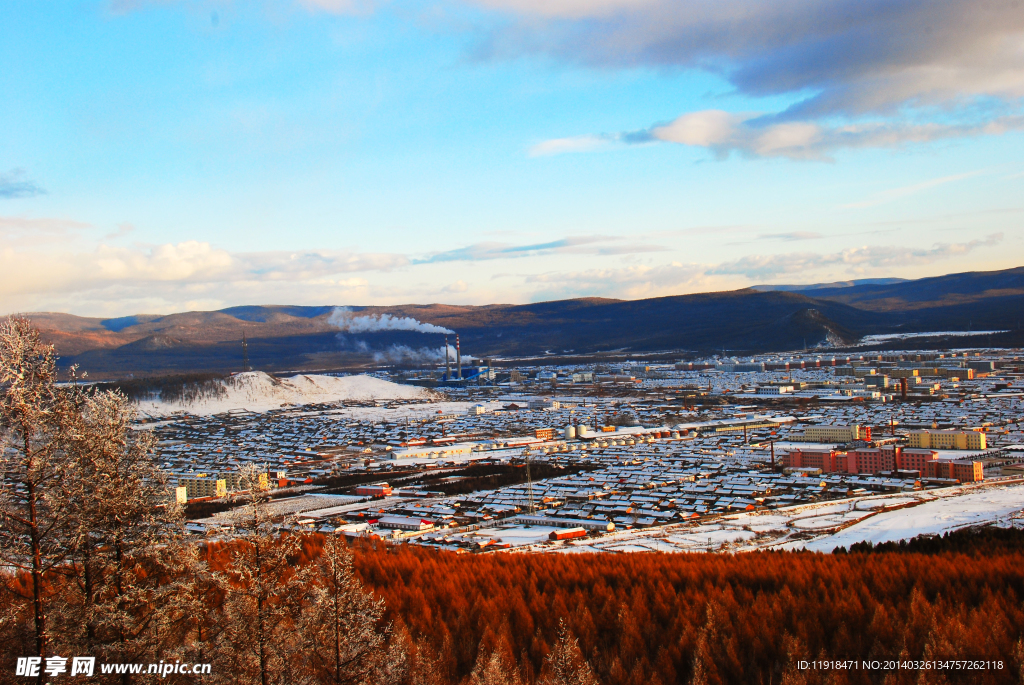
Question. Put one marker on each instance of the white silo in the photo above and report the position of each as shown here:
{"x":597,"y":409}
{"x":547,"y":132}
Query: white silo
{"x":570,"y":432}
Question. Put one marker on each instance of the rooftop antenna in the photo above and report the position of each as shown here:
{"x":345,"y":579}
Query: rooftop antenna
{"x":245,"y":353}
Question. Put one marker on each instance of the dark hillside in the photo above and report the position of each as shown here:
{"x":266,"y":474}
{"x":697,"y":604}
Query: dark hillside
{"x":293,"y":338}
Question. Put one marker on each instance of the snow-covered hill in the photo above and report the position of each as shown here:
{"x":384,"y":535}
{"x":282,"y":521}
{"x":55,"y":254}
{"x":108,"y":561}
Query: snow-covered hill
{"x":257,"y":391}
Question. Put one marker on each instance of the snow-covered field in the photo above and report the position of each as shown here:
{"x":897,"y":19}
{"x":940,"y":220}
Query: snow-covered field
{"x":872,"y":339}
{"x":256,"y":391}
{"x":822,"y":527}
{"x":937,"y":516}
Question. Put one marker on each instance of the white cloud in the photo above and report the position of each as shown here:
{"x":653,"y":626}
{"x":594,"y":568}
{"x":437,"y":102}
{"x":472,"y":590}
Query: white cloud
{"x":629,"y":282}
{"x":763,"y":136}
{"x":851,"y":261}
{"x":176,"y":272}
{"x":558,"y":146}
{"x":838,"y":56}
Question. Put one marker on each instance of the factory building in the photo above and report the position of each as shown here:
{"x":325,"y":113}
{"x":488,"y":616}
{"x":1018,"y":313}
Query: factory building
{"x":405,"y":523}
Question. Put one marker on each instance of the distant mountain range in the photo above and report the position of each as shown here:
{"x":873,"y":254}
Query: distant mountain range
{"x":766,"y":318}
{"x":837,"y":284}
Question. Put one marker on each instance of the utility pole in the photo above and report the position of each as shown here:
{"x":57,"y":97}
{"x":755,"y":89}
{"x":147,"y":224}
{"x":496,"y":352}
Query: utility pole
{"x":245,"y":353}
{"x":529,"y":482}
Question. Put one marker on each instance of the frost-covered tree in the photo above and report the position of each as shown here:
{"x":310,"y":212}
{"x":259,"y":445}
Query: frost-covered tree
{"x":263,"y":591}
{"x":120,"y":521}
{"x":193,"y":626}
{"x":32,"y":464}
{"x":495,"y":668}
{"x":342,"y":640}
{"x":565,"y":664}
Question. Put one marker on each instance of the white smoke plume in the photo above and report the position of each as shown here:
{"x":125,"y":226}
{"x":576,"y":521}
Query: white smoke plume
{"x":345,"y":319}
{"x":403,"y":354}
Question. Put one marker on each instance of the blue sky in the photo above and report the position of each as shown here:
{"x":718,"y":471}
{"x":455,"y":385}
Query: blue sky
{"x":163,"y":156}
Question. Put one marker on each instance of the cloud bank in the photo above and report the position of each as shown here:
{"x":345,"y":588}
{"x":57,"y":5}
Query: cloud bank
{"x":48,"y":273}
{"x":764,"y":136}
{"x":857,"y":73}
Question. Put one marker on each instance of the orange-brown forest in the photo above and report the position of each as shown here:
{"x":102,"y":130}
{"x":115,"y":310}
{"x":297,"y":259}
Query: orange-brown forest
{"x":653,"y":618}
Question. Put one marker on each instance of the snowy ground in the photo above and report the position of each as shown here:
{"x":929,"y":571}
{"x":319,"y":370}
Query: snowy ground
{"x":873,"y":339}
{"x":820,"y":527}
{"x":937,"y":516}
{"x":256,"y":391}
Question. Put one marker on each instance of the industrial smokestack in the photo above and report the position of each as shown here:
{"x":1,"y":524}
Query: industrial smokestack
{"x":458,"y":356}
{"x":447,"y":363}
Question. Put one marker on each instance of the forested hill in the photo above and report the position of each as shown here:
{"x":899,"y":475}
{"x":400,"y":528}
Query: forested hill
{"x":307,"y":338}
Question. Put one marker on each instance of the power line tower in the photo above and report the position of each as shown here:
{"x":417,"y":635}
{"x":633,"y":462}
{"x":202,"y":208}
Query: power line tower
{"x":245,"y":353}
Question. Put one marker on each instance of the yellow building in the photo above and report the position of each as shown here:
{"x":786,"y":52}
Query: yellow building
{"x":836,"y":433}
{"x":948,"y":440}
{"x":202,"y":486}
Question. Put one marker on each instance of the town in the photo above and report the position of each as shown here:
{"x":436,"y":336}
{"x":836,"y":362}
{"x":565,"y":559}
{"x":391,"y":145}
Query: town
{"x":611,"y":451}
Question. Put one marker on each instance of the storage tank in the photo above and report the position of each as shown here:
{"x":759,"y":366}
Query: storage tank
{"x":582,"y":431}
{"x":570,"y":432}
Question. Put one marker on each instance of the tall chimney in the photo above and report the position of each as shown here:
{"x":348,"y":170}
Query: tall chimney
{"x":447,"y":363}
{"x":458,"y":356}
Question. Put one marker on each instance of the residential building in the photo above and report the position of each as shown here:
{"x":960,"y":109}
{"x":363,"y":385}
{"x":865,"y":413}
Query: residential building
{"x":826,"y":433}
{"x":948,"y":440}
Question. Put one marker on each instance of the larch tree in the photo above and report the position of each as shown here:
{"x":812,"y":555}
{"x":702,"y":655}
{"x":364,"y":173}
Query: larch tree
{"x":121,"y":521}
{"x":193,"y":626}
{"x":495,"y":668}
{"x":343,"y":643}
{"x":565,"y":664}
{"x":33,"y":462}
{"x":263,"y":591}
